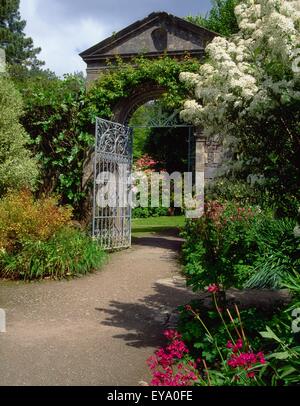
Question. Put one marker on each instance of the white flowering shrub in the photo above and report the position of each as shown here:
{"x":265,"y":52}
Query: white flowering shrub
{"x":251,"y":73}
{"x":248,"y":95}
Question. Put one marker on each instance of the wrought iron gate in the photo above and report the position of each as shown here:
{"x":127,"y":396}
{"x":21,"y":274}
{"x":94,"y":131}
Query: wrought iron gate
{"x":112,"y":167}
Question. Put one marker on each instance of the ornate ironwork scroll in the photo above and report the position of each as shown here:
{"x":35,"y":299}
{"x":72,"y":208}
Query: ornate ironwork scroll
{"x":112,"y":170}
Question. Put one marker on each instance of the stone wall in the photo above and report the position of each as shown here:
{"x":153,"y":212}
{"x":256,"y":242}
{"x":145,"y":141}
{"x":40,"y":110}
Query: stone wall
{"x":208,"y":156}
{"x":213,"y":159}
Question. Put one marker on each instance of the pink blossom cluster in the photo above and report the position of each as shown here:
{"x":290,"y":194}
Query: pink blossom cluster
{"x":146,"y":162}
{"x":165,"y":369}
{"x":183,"y":377}
{"x":214,"y":288}
{"x":235,"y":347}
{"x":246,"y":360}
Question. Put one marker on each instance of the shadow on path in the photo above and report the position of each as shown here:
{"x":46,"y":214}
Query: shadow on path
{"x":169,"y":240}
{"x":145,"y":319}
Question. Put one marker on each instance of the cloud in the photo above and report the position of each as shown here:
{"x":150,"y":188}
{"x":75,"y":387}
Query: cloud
{"x":61,"y":43}
{"x":64,"y":28}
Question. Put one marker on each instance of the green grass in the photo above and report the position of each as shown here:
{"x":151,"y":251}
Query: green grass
{"x":156,"y":224}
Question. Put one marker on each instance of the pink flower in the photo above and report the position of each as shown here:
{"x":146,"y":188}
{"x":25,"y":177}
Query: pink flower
{"x":245,"y":360}
{"x":250,"y":374}
{"x":229,"y":345}
{"x":164,"y":365}
{"x":261,"y":358}
{"x":214,"y":288}
{"x":235,"y":347}
{"x":172,"y":334}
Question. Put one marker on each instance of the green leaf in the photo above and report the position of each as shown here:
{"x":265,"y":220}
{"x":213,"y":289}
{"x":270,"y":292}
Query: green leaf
{"x":270,"y":334}
{"x":288,"y":370}
{"x":280,"y":355}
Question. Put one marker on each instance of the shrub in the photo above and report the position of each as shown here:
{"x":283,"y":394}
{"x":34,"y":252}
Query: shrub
{"x":235,"y":362}
{"x":239,"y":247}
{"x":194,"y":335}
{"x":67,"y":253}
{"x":237,"y":191}
{"x":278,"y":253}
{"x":52,"y":118}
{"x":223,"y":353}
{"x":17,"y":168}
{"x":22,"y":218}
{"x":37,"y":240}
{"x":146,"y":212}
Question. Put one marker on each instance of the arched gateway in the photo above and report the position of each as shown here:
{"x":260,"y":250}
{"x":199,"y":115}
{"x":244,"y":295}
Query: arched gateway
{"x":157,"y":35}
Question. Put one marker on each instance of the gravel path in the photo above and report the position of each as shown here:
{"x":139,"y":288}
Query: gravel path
{"x":97,"y":330}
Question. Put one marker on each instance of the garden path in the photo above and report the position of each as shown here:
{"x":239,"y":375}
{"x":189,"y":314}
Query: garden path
{"x":96,"y":330}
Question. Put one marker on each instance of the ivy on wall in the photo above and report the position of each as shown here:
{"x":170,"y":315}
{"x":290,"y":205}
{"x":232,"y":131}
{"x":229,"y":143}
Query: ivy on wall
{"x":123,"y":78}
{"x":59,"y":115}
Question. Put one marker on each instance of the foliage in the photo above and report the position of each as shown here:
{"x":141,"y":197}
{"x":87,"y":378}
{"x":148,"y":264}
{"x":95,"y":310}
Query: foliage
{"x":17,"y":168}
{"x":22,"y":218}
{"x":254,"y":320}
{"x":59,"y":115}
{"x":19,"y":48}
{"x":125,"y":77}
{"x":140,"y":118}
{"x":67,"y":253}
{"x":169,"y":146}
{"x":248,"y":94}
{"x":261,"y":350}
{"x":146,"y":212}
{"x":279,"y":253}
{"x":52,"y":118}
{"x":221,"y":18}
{"x":237,"y":191}
{"x":239,"y":247}
{"x":37,"y":240}
{"x":285,"y":359}
{"x":233,"y":364}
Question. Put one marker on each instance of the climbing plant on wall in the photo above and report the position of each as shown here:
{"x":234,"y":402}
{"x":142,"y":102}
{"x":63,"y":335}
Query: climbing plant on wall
{"x":123,"y":78}
{"x":59,"y":114}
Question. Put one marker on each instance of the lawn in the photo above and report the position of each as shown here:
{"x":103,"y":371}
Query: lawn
{"x":156,"y":224}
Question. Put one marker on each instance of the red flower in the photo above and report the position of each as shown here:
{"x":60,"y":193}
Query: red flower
{"x":214,"y":288}
{"x":235,"y":347}
{"x":250,"y":374}
{"x":245,"y":360}
{"x":172,"y":334}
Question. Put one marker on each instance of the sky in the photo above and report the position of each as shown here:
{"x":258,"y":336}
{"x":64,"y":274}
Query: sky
{"x":64,"y":28}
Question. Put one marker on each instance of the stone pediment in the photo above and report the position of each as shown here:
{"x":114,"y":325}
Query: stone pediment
{"x":159,"y":33}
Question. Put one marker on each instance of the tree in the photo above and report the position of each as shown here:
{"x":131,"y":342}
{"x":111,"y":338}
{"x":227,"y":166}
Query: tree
{"x":19,"y":48}
{"x":17,"y":168}
{"x":249,"y":91}
{"x":221,"y":18}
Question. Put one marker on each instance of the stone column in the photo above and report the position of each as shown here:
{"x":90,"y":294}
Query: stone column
{"x":200,"y":158}
{"x":200,"y":161}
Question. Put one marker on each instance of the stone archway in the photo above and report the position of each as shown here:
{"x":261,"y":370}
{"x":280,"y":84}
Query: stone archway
{"x":159,"y":34}
{"x":142,"y":94}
